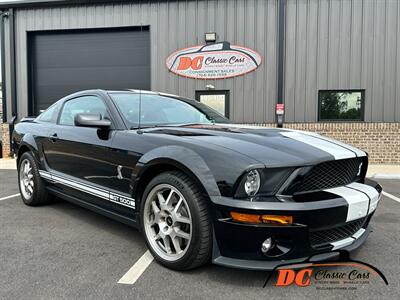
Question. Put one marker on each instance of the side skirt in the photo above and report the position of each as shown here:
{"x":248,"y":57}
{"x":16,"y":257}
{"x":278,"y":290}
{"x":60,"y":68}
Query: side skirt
{"x":111,"y":214}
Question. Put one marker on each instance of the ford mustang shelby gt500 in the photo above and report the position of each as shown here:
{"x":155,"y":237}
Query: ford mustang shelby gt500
{"x":198,"y":187}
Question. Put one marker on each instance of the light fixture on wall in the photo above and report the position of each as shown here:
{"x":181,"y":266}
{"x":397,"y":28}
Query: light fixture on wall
{"x":210,"y":87}
{"x":210,"y":37}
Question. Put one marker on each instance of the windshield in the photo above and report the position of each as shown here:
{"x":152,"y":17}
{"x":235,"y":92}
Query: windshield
{"x":156,"y":110}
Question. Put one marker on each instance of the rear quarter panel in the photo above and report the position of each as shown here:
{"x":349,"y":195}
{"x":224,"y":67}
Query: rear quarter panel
{"x":31,"y":135}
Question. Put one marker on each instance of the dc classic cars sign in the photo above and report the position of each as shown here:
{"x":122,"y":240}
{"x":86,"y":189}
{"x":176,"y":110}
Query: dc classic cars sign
{"x":213,"y":61}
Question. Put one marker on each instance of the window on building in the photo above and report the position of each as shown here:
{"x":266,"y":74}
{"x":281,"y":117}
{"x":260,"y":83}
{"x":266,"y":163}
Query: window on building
{"x":344,"y":105}
{"x":217,"y":100}
{"x":82,"y":105}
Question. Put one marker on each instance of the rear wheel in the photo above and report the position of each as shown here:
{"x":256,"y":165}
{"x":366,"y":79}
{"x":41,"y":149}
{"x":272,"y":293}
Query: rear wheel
{"x":176,"y":222}
{"x":31,"y":186}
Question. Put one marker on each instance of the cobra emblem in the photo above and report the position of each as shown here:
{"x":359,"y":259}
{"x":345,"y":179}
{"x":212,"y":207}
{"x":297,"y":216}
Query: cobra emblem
{"x":359,"y":169}
{"x":119,"y":173}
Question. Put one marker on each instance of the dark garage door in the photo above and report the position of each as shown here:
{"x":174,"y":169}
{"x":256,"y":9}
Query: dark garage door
{"x":63,"y":62}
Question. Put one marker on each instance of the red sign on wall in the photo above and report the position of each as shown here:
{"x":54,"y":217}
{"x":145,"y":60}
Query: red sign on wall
{"x":280,"y":108}
{"x":213,"y":61}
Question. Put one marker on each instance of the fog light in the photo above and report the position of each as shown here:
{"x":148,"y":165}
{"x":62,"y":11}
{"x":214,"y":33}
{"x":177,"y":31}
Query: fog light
{"x":275,"y":219}
{"x":266,"y":245}
{"x":266,"y":219}
{"x":246,"y":218}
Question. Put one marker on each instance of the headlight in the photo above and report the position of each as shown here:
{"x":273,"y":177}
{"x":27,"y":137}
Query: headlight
{"x":252,"y":183}
{"x":262,"y":182}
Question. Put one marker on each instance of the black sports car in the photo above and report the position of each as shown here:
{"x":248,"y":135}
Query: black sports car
{"x":198,"y":187}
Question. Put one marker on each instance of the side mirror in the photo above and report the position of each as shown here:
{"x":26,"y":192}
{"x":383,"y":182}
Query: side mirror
{"x":92,"y":120}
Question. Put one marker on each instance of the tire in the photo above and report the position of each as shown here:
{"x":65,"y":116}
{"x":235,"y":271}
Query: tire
{"x":177,"y":233}
{"x":34,"y":192}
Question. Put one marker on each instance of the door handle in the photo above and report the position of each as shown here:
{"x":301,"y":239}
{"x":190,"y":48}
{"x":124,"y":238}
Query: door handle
{"x":53,"y":138}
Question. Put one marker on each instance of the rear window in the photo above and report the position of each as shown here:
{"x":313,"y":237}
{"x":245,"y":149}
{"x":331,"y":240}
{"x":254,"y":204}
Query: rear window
{"x":49,"y":114}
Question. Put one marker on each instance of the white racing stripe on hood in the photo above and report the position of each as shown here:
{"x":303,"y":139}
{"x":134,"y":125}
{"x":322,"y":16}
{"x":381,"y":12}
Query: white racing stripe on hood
{"x":357,"y":151}
{"x":370,"y":191}
{"x":357,"y":201}
{"x":338,"y":152}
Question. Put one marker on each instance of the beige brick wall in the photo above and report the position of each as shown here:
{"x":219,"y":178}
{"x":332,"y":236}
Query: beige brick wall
{"x":380,"y":140}
{"x":5,"y":138}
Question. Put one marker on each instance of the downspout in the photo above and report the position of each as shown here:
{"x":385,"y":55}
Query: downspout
{"x":13,"y":78}
{"x":3,"y":67}
{"x":281,"y":58}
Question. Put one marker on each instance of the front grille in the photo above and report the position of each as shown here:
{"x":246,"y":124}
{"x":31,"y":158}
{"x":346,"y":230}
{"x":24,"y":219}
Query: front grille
{"x":321,"y":238}
{"x":328,"y":175}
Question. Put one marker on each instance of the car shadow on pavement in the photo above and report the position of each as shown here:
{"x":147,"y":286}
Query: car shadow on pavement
{"x":93,"y":219}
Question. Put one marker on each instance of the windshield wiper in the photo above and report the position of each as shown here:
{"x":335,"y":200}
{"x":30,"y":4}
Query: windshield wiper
{"x":143,"y":127}
{"x":169,"y":125}
{"x":182,"y":124}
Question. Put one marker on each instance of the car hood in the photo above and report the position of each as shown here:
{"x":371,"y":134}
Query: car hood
{"x":274,"y":147}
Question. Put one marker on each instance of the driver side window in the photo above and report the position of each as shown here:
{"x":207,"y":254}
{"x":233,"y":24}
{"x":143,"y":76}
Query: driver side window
{"x":82,"y":105}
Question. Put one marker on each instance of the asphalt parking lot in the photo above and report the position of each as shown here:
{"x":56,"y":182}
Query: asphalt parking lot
{"x":64,"y":251}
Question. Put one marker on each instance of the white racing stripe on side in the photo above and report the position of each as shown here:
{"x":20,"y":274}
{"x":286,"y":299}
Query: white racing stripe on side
{"x":45,"y":174}
{"x":370,"y":191}
{"x":338,"y":152}
{"x":81,"y":187}
{"x":357,"y":201}
{"x":92,"y":190}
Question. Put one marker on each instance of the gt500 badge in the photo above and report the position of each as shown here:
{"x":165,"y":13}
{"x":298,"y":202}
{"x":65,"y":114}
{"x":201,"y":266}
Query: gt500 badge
{"x":122,"y":200}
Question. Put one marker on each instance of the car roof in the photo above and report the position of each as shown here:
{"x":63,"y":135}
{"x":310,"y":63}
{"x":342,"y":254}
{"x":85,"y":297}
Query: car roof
{"x":136,"y":91}
{"x":115,"y":91}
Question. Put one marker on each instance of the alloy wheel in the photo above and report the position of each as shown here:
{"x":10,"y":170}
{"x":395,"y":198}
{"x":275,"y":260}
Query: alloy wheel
{"x":26,"y":181}
{"x":167,"y":222}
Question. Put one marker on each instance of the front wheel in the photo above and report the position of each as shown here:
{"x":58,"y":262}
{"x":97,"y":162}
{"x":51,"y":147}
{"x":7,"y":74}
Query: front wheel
{"x":176,"y":222}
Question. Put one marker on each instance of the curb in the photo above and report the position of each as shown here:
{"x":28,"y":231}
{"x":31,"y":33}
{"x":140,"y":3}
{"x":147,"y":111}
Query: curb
{"x":385,"y":176}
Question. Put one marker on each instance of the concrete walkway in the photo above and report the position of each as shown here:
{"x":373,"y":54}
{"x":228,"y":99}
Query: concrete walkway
{"x":384,"y":171}
{"x":8,"y":164}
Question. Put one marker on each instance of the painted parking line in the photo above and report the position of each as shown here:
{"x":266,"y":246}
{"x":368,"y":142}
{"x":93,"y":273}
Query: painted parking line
{"x":391,"y":196}
{"x":9,"y":197}
{"x":137,"y":269}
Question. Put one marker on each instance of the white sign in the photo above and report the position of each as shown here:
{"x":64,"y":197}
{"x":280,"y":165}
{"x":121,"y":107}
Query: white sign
{"x":213,"y":61}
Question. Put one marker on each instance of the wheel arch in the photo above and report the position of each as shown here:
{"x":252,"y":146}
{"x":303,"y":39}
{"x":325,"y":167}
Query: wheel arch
{"x":174,"y":158}
{"x":26,"y":147}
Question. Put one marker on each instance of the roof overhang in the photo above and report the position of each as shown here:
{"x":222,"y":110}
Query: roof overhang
{"x":36,"y":3}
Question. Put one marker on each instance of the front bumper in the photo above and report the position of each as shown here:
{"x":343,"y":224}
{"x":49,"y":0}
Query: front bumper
{"x":321,"y":227}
